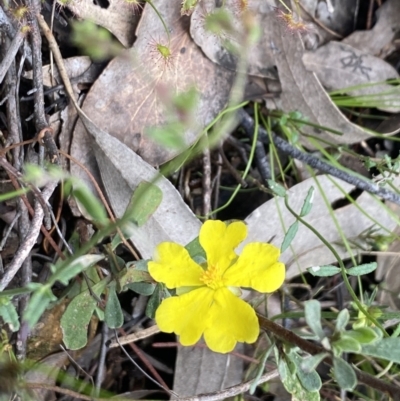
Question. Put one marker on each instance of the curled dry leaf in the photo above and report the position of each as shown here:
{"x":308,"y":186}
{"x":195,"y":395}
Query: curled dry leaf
{"x":302,"y":91}
{"x":127,"y":98}
{"x":216,"y":46}
{"x":339,"y":66}
{"x":120,"y":18}
{"x":377,"y":41}
{"x":307,"y":250}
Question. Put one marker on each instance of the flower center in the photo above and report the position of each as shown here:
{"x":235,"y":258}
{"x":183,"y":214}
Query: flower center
{"x":212,"y":278}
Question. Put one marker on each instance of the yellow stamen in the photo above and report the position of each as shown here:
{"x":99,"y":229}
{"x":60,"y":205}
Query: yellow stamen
{"x":212,"y":278}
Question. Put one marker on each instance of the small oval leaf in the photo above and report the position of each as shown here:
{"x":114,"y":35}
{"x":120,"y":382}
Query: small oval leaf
{"x":344,"y":374}
{"x":312,"y":310}
{"x":362,"y":269}
{"x":289,"y":236}
{"x":308,"y":202}
{"x":113,"y":315}
{"x":323,"y":271}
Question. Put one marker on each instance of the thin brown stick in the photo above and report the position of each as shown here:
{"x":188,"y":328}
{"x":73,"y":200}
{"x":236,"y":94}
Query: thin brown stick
{"x":30,"y":240}
{"x":68,"y":87}
{"x":370,"y":12}
{"x":31,"y":213}
{"x":149,"y":366}
{"x":11,"y":53}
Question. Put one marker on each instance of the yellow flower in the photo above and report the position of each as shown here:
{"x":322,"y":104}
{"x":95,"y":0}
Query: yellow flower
{"x":207,"y":305}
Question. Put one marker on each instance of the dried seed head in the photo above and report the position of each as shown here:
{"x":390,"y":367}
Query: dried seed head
{"x":293,"y":24}
{"x":20,"y":12}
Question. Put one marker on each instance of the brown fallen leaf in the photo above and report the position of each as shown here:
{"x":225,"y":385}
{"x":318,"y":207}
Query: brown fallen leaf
{"x":339,"y":66}
{"x":120,"y":18}
{"x":302,"y":91}
{"x":261,"y":59}
{"x":126,"y":99}
{"x":378,"y":39}
{"x":306,"y":249}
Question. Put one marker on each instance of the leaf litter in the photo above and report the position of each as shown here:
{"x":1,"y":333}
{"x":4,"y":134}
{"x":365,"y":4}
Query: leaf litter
{"x":128,"y":98}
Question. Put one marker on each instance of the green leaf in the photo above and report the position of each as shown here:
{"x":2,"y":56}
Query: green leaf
{"x":312,"y":310}
{"x":92,"y":205}
{"x":132,"y":275}
{"x":113,"y":315}
{"x":155,"y":300}
{"x":289,"y":236}
{"x":74,"y":268}
{"x":310,"y":380}
{"x":346,"y":344}
{"x":308,"y":202}
{"x":342,"y":320}
{"x":292,"y":384}
{"x":311,"y":363}
{"x":141,"y":265}
{"x":344,"y":374}
{"x":323,"y":271}
{"x":145,"y":201}
{"x":260,"y":370}
{"x":76,"y":318}
{"x":38,"y":303}
{"x":364,"y":335}
{"x":142,"y":288}
{"x":362,"y":269}
{"x":387,"y":348}
{"x":195,"y":249}
{"x":277,"y":189}
{"x":13,"y":194}
{"x":9,"y":314}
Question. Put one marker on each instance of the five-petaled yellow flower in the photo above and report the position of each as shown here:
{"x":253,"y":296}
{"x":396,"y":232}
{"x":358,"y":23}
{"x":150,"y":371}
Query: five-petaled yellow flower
{"x":207,"y":304}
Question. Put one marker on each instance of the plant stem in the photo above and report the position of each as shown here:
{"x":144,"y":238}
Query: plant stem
{"x":313,"y":349}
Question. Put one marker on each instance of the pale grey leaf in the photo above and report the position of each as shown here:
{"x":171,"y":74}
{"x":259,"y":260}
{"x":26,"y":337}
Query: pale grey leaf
{"x":306,"y":249}
{"x":339,"y":66}
{"x":302,"y":91}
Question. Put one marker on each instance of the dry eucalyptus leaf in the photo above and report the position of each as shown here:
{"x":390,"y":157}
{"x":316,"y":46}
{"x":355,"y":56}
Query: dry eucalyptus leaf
{"x":45,"y":372}
{"x":121,"y":171}
{"x":302,"y":91}
{"x":260,"y":55}
{"x":127,"y":98}
{"x":199,"y":370}
{"x":74,"y":66}
{"x":306,"y":249}
{"x":119,"y":17}
{"x":378,"y":39}
{"x":339,"y":66}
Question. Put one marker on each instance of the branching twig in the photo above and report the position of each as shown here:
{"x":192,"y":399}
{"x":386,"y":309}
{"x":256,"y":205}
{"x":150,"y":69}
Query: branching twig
{"x":41,"y":124}
{"x":287,"y":148}
{"x":30,"y":240}
{"x":10,"y":54}
{"x":313,"y":349}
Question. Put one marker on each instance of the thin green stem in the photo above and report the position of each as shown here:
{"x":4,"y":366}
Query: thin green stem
{"x":161,"y":19}
{"x":341,"y":265}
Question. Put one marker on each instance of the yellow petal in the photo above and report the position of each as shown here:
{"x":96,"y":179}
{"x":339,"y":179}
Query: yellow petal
{"x":173,"y":266}
{"x":257,"y":268}
{"x":231,"y":320}
{"x":219,"y":241}
{"x":186,"y":315}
